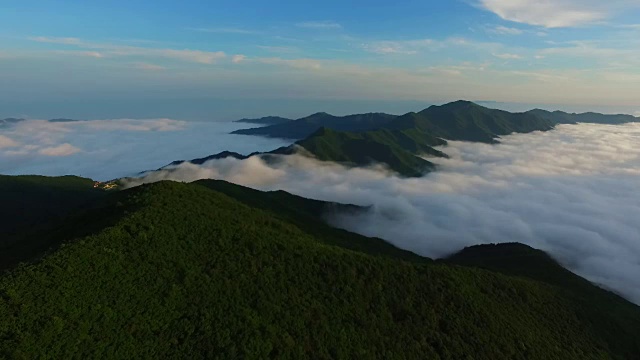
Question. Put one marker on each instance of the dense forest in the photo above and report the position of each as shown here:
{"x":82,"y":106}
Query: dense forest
{"x":215,"y":270}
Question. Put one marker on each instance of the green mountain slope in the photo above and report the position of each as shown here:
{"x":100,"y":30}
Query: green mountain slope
{"x":521,"y":260}
{"x":32,"y":205}
{"x":395,"y":149}
{"x":301,"y":128}
{"x":188,"y":272}
{"x":310,"y":216}
{"x":467,"y":121}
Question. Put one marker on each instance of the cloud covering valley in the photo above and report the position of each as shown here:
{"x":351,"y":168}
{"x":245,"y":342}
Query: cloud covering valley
{"x":571,"y":192}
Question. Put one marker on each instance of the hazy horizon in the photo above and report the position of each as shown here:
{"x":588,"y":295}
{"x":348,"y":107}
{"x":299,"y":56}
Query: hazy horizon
{"x":212,"y":110}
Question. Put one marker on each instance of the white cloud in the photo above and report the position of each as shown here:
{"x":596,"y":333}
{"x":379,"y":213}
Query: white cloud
{"x":570,"y":192}
{"x":507,"y":56}
{"x":57,"y":40}
{"x":130,"y":125}
{"x":80,"y":53}
{"x":547,"y":76}
{"x":415,"y":46}
{"x":236,"y":59}
{"x":116,"y":147}
{"x":503,"y":30}
{"x":224,"y":30}
{"x":451,"y":71}
{"x":604,"y":54}
{"x":305,"y":64}
{"x":556,"y":13}
{"x":407,"y":47}
{"x":6,"y":142}
{"x":197,"y":56}
{"x":60,"y":150}
{"x":321,"y":25}
{"x":149,"y":67}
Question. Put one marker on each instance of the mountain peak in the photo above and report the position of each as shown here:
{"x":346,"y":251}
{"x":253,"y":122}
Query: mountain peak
{"x":319,"y":114}
{"x":455,"y":105}
{"x":461,"y":104}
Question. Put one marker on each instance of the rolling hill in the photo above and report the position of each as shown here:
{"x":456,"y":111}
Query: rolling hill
{"x":214,"y":270}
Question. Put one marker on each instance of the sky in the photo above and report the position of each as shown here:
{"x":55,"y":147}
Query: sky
{"x":220,"y":60}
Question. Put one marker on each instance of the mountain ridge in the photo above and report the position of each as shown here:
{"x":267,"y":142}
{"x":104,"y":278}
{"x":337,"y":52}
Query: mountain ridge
{"x":397,"y":142}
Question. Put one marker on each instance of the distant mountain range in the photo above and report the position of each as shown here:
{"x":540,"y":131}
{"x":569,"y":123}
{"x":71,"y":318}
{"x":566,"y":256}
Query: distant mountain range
{"x":561,"y":117}
{"x":399,"y":142}
{"x":13,"y":121}
{"x":301,"y":128}
{"x":9,"y":121}
{"x":63,"y":120}
{"x":267,"y":120}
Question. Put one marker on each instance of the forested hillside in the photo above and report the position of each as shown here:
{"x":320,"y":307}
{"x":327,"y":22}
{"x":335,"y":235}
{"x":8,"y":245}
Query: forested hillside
{"x":185,"y":271}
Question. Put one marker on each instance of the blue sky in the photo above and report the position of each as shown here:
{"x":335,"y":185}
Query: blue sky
{"x":220,"y":59}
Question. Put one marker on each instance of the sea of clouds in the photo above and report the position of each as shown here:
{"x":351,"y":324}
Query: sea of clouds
{"x":572,"y":192}
{"x":113,"y":148}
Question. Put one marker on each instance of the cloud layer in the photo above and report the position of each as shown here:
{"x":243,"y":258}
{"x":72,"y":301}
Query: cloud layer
{"x":570,"y":192}
{"x":107,"y":149}
{"x":556,"y":13}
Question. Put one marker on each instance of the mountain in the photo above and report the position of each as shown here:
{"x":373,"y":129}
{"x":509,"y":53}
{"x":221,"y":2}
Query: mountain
{"x":524,"y":261}
{"x":398,"y":141}
{"x":200,"y":161}
{"x":267,"y":120}
{"x":395,"y":149}
{"x":9,"y":121}
{"x":467,"y":121}
{"x":61,"y":120}
{"x":214,"y":270}
{"x":459,"y":120}
{"x":560,"y":117}
{"x":32,"y":205}
{"x":302,"y":128}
